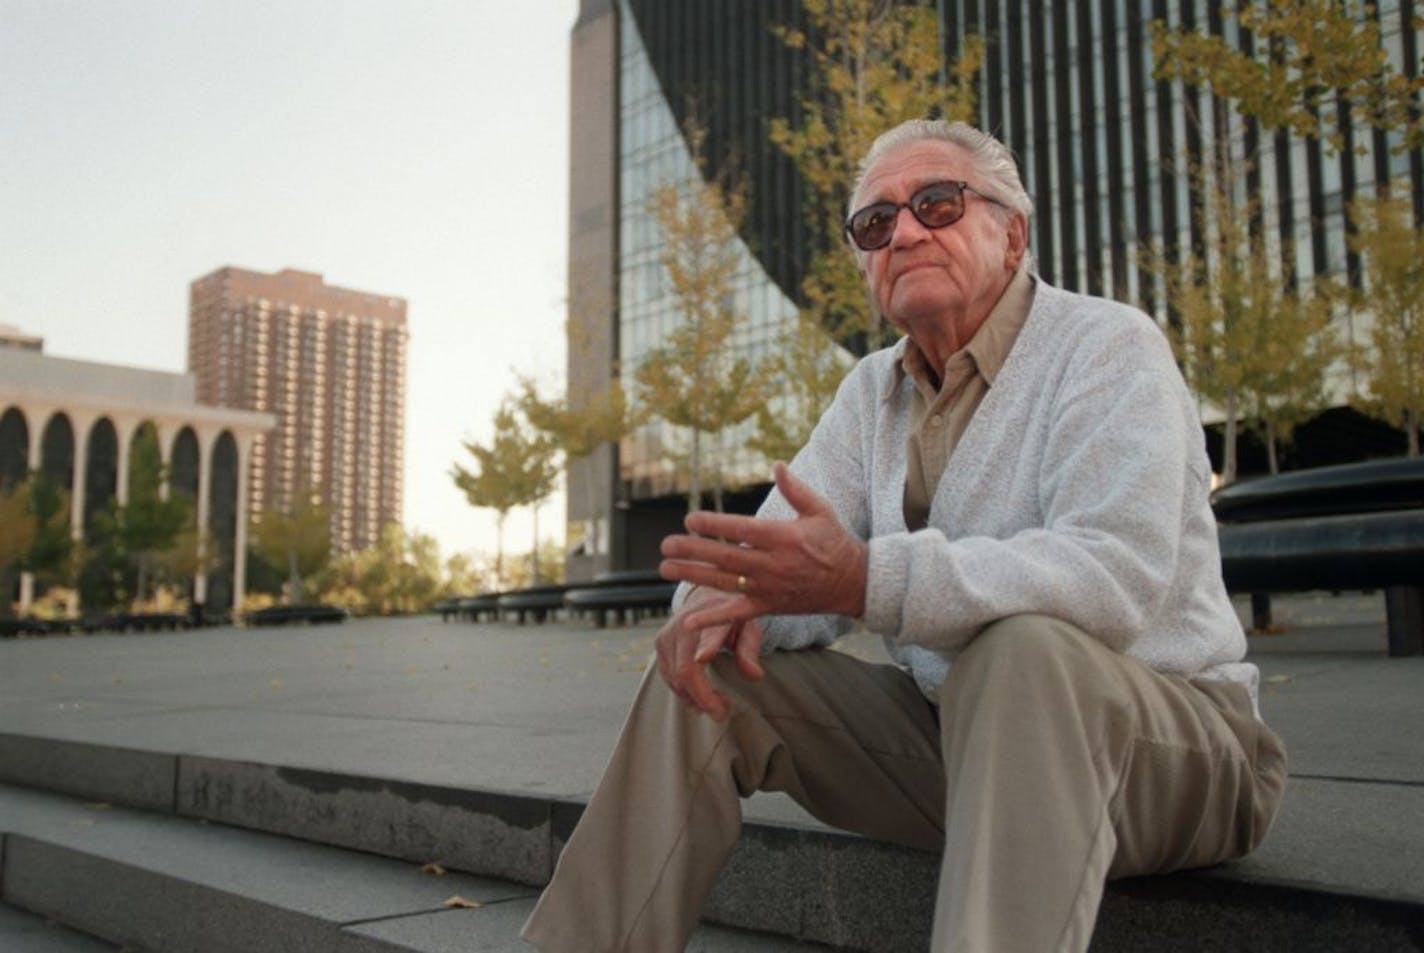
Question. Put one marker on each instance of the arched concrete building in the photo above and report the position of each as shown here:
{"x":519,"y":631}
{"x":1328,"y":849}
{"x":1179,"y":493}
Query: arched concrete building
{"x":76,"y":422}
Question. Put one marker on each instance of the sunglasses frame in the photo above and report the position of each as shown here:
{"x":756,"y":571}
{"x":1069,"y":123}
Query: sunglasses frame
{"x":960,"y":187}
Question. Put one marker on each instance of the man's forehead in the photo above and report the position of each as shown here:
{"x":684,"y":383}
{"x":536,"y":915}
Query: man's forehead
{"x":911,"y":166}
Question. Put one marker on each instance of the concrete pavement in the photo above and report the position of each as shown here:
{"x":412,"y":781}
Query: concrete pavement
{"x":533,"y":711}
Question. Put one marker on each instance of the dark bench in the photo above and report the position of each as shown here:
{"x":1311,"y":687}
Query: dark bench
{"x":313,"y":613}
{"x":624,"y":595}
{"x":29,"y":625}
{"x":472,"y":608}
{"x":541,"y":602}
{"x":133,"y":622}
{"x":1356,"y":526}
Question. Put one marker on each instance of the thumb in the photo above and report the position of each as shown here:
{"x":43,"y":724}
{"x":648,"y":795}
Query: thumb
{"x":806,"y":501}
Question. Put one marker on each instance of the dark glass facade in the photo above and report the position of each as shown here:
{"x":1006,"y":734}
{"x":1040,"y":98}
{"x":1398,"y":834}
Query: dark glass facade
{"x":1103,"y":150}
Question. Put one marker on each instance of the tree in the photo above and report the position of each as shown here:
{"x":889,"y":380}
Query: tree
{"x":54,"y":555}
{"x":516,"y":469}
{"x":873,"y":65}
{"x":141,"y":532}
{"x":1296,"y":347}
{"x":18,"y":529}
{"x":1392,"y":249}
{"x":295,"y":539}
{"x":1306,"y":56}
{"x":697,"y":379}
{"x":577,"y":431}
{"x":34,"y":533}
{"x":462,"y":577}
{"x":811,"y":367}
{"x":1246,"y":340}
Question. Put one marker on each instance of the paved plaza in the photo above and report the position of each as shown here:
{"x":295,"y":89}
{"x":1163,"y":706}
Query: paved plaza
{"x":534,"y":710}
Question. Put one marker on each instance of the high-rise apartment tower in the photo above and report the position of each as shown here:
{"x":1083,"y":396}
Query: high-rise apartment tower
{"x":329,"y":364}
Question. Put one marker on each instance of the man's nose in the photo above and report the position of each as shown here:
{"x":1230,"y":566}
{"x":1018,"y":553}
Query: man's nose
{"x":908,"y":230}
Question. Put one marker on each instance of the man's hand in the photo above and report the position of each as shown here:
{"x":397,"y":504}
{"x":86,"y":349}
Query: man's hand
{"x":683,"y":653}
{"x":809,"y":564}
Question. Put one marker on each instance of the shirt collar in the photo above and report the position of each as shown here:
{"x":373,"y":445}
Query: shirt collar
{"x":990,"y":346}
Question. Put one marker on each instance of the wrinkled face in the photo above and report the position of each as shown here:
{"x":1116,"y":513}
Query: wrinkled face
{"x":926,"y":277}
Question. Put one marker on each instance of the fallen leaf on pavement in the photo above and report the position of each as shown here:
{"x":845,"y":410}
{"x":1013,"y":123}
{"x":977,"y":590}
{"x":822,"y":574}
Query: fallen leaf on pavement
{"x":458,"y":902}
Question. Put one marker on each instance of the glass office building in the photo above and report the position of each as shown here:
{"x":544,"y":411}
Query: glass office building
{"x":1103,"y":149}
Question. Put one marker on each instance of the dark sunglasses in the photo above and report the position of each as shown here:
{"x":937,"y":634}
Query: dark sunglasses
{"x":934,"y":206}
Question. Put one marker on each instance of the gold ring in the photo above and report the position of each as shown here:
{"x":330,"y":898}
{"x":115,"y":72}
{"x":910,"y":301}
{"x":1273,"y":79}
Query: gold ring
{"x":741,"y":583}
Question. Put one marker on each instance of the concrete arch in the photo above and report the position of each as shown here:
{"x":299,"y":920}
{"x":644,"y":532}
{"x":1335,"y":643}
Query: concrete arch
{"x":57,"y":449}
{"x":101,"y":470}
{"x":223,"y":522}
{"x":14,"y":447}
{"x":184,"y":456}
{"x":77,"y":422}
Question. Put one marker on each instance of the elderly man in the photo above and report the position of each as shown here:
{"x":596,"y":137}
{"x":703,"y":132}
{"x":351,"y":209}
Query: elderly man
{"x":1015,"y":497}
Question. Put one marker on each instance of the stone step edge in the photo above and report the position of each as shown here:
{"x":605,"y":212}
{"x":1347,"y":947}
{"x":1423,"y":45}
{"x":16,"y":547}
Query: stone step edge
{"x":821,"y":885}
{"x":162,"y":883}
{"x":122,"y":896}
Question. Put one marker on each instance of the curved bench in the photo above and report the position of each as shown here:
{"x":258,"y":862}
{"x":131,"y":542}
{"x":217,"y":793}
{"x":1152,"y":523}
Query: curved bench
{"x":1357,"y":526}
{"x":472,"y":608}
{"x":539,"y":601}
{"x":621,"y":599}
{"x":316,"y":613}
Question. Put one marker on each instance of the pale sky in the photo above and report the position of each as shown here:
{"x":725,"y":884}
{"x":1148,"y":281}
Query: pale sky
{"x":416,"y":148}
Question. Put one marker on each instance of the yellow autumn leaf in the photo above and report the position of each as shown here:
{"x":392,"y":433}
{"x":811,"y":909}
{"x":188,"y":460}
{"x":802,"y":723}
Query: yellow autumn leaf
{"x":458,"y":902}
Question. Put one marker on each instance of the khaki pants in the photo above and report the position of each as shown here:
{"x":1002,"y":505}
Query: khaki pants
{"x":1050,"y":765}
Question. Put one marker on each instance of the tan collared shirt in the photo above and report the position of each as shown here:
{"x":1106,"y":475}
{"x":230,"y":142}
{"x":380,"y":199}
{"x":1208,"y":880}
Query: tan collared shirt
{"x":939,"y":418}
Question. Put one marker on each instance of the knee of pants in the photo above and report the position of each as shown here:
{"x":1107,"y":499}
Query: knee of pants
{"x":1036,"y":660}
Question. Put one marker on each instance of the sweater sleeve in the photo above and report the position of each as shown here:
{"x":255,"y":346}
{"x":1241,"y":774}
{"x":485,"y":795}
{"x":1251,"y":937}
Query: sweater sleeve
{"x":1110,"y":486}
{"x":832,"y":463}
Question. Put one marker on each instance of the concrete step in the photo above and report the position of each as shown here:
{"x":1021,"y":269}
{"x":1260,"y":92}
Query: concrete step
{"x":25,"y":932}
{"x":165,"y":884}
{"x":1341,"y":875}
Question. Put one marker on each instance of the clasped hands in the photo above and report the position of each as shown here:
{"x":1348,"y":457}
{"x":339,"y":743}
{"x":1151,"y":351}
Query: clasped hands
{"x":745,"y":568}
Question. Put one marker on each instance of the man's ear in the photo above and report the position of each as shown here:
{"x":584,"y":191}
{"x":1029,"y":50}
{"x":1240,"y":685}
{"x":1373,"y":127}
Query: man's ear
{"x":1018,"y":240}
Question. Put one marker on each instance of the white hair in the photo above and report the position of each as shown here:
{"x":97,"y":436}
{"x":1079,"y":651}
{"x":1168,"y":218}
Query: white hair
{"x":991,"y":159}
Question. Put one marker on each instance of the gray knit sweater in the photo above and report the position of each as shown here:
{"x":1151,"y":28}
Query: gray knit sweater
{"x":1079,"y":490}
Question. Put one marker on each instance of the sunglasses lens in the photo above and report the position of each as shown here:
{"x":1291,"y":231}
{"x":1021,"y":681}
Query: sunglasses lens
{"x":938,"y":205}
{"x":934,"y":206}
{"x":872,"y":226}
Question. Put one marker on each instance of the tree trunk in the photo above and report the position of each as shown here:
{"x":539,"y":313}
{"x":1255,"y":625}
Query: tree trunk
{"x":142,"y":585}
{"x":1411,"y":430}
{"x":534,"y":553}
{"x":294,"y":580}
{"x":694,"y":489}
{"x":499,"y":550}
{"x":1228,"y":450}
{"x":593,"y":515}
{"x":8,"y":578}
{"x":1271,"y":448}
{"x":717,"y":476}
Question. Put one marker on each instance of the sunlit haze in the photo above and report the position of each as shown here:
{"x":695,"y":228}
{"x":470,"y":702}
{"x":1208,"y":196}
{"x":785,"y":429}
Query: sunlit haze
{"x":414,"y":149}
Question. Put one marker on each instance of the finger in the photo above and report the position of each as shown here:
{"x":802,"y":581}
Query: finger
{"x":733,"y":559}
{"x":729,"y":612}
{"x":709,"y":643}
{"x":798,"y":493}
{"x":747,"y":650}
{"x":691,"y":675}
{"x":700,"y":574}
{"x":726,"y":526}
{"x":758,"y":534}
